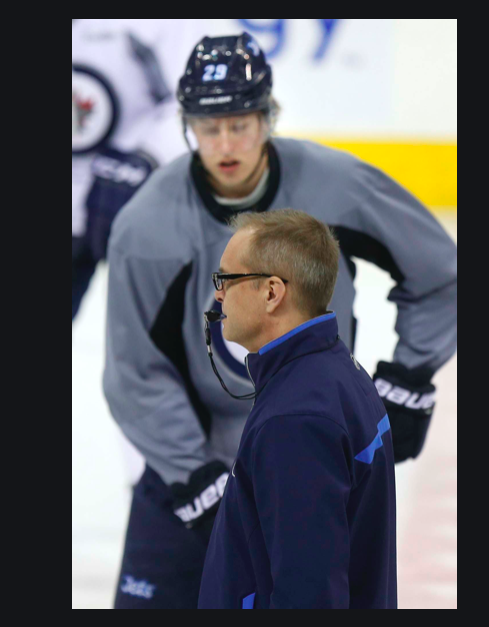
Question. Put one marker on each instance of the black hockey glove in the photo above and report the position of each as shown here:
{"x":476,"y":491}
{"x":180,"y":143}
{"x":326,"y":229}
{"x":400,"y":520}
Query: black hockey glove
{"x":409,"y":398}
{"x":197,"y":502}
{"x":116,"y":178}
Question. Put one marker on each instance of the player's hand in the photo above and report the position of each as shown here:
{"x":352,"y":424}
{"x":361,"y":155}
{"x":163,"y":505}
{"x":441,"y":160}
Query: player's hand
{"x":116,"y":177}
{"x":409,"y":398}
{"x":196,"y":503}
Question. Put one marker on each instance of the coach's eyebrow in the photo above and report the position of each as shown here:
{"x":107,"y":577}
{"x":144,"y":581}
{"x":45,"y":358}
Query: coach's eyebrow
{"x":222,"y":271}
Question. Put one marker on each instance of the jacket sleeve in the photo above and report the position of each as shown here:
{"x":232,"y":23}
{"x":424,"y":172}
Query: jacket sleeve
{"x":145,"y":391}
{"x":301,"y":482}
{"x":391,"y":229}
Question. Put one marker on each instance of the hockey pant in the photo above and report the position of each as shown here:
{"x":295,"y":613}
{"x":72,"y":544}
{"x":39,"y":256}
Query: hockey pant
{"x":163,"y":560}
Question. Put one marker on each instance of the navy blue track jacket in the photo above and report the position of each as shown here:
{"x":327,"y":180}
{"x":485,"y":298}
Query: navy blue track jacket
{"x":308,"y":518}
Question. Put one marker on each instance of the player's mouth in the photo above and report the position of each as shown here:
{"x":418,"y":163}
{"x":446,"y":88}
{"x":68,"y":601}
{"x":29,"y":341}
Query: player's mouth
{"x":229,"y":167}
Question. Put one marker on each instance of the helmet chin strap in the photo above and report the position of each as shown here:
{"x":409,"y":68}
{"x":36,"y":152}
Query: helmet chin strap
{"x":263,"y":154}
{"x":185,"y":134}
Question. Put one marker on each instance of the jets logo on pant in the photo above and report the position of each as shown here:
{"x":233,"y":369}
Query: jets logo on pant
{"x":137,"y":588}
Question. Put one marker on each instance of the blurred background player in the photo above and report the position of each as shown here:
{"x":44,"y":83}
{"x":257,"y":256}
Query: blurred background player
{"x":124,"y":122}
{"x":165,"y":244}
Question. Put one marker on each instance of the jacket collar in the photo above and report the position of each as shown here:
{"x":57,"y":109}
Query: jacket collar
{"x":318,"y":334}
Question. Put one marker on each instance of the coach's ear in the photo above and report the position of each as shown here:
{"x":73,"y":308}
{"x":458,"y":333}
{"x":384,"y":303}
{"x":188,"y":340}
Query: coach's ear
{"x":274,"y":293}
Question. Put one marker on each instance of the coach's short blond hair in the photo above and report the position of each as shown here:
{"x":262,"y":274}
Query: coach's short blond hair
{"x":294,"y":246}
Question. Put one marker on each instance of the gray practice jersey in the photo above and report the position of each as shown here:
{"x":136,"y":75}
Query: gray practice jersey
{"x":169,"y":239}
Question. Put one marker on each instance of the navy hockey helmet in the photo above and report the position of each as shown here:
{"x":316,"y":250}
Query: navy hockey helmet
{"x":226,"y":76}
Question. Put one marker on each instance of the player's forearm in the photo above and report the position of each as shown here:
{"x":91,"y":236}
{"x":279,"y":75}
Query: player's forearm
{"x":427,"y":328}
{"x":174,"y":446}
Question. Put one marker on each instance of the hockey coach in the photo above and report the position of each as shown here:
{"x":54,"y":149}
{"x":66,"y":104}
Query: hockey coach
{"x":308,"y":517}
{"x":165,"y":244}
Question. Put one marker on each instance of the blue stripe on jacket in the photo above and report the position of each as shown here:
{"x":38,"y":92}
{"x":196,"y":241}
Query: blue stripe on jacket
{"x":367,"y":455}
{"x":299,"y":329}
{"x":249,"y":602}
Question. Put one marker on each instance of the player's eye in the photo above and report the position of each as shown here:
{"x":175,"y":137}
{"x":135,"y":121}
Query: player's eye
{"x":210,"y":131}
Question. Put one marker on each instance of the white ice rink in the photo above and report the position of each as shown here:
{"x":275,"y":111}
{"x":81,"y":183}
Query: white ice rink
{"x":426,"y":488}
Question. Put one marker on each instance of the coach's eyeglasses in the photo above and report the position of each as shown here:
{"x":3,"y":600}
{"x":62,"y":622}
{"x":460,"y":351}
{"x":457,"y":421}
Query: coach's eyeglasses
{"x":218,"y":278}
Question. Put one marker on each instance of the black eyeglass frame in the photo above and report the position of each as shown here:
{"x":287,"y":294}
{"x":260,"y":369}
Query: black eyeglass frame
{"x":217,"y":276}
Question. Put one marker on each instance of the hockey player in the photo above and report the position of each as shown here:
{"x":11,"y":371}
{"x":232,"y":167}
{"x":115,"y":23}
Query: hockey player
{"x":163,"y":248}
{"x":124,"y":77}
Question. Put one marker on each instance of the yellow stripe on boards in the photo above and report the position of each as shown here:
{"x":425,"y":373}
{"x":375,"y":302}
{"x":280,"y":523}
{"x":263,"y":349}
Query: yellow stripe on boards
{"x":427,"y":170}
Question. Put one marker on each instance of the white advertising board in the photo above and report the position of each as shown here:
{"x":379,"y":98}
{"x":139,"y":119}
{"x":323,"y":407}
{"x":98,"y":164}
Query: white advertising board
{"x":330,"y":75}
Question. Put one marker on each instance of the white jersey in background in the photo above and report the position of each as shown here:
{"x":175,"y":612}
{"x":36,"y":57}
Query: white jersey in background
{"x":124,"y":79}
